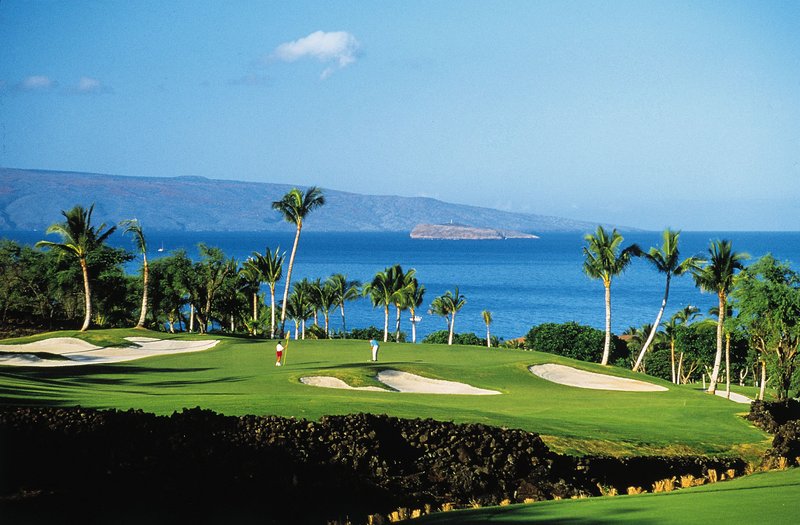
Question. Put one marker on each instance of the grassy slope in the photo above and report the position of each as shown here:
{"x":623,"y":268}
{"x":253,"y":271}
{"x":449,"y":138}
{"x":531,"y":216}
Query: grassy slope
{"x":770,"y":497}
{"x":238,"y":376}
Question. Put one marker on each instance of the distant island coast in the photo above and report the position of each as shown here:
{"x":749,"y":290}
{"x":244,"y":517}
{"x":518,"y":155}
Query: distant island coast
{"x":457,"y":232}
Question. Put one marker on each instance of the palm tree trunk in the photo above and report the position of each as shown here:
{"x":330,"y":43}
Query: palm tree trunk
{"x":452,"y":328}
{"x":607,"y":343}
{"x":672,"y":359}
{"x":728,"y":365}
{"x":327,"y":317}
{"x":680,"y":369}
{"x":255,"y":306}
{"x":87,"y":291}
{"x":653,"y":330}
{"x":413,"y":324}
{"x":272,"y":312}
{"x":289,"y":278}
{"x":397,"y":325}
{"x":712,"y":387}
{"x":191,"y":318}
{"x":344,"y":326}
{"x":386,"y":323}
{"x":763,"y":380}
{"x":488,"y":337}
{"x":145,"y":279}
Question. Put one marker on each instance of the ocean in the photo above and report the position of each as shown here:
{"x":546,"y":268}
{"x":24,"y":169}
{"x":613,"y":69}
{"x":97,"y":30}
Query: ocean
{"x":522,"y":282}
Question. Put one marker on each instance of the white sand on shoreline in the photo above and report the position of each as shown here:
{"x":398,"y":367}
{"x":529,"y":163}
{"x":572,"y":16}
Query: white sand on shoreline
{"x":566,"y":375}
{"x":78,"y":352}
{"x":403,"y":382}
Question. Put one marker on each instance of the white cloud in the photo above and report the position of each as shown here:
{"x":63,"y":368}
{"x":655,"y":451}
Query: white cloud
{"x":89,"y":85}
{"x":337,"y":47}
{"x":37,"y":83}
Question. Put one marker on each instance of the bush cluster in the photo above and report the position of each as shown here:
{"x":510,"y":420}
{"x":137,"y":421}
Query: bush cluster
{"x":440,"y":337}
{"x":573,"y":340}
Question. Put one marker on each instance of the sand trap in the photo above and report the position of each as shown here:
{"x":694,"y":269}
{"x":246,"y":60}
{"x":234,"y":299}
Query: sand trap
{"x":77,"y":352}
{"x":335,"y":382}
{"x":402,"y":382}
{"x":406,"y":382}
{"x":569,"y":376}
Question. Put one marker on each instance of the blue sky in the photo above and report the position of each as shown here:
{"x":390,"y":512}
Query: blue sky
{"x":648,"y":114}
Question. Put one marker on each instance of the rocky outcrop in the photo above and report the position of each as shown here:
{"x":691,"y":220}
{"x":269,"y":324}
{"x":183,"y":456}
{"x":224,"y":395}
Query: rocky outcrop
{"x":462,"y":232}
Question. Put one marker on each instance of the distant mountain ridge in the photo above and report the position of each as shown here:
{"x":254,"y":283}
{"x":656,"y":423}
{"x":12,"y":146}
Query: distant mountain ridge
{"x":33,"y":200}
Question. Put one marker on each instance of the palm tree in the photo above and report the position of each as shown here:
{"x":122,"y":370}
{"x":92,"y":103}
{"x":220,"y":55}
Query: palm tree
{"x":270,"y":269}
{"x":414,"y":298}
{"x":667,"y":261}
{"x":251,"y":282}
{"x":401,"y":283}
{"x":440,"y":307}
{"x":79,"y":239}
{"x":487,"y":318}
{"x":604,"y":260}
{"x":133,"y":227}
{"x":327,"y":300}
{"x":454,"y":302}
{"x":381,"y":293}
{"x":717,"y":277}
{"x":295,"y":206}
{"x":299,"y":308}
{"x":344,"y":291}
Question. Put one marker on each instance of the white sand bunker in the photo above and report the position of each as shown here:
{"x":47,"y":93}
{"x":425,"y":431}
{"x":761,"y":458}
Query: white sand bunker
{"x":407,"y":382}
{"x":72,"y":351}
{"x":403,"y":382}
{"x":569,"y":376}
{"x":335,"y":382}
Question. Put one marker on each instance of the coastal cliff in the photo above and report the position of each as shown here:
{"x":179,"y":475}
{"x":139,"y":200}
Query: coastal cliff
{"x":463,"y":232}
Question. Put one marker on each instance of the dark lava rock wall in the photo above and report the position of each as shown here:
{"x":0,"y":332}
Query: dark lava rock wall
{"x":75,"y":465}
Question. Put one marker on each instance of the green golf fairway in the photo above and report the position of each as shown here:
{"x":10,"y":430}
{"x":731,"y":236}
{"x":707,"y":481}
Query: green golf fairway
{"x":769,"y":497}
{"x":238,"y":376}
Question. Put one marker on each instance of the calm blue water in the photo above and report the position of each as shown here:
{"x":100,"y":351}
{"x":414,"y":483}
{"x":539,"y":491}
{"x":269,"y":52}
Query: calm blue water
{"x":522,"y":282}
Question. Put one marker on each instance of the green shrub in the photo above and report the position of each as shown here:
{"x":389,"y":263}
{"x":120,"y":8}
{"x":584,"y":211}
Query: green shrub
{"x":440,"y":338}
{"x":573,"y":340}
{"x":366,"y":333}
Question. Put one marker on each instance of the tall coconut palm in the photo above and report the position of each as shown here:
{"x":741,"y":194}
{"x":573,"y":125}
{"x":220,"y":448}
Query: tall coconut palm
{"x":295,"y":206}
{"x":667,"y":261}
{"x":299,"y":308}
{"x":487,"y":318}
{"x":414,"y":298}
{"x":270,"y":268}
{"x":134,"y":227}
{"x":79,"y":239}
{"x":344,"y":290}
{"x":455,"y":302}
{"x":605,"y":260}
{"x":717,"y":277}
{"x":381,"y":292}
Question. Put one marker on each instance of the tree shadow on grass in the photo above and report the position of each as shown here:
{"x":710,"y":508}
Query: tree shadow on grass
{"x":530,"y":514}
{"x":28,"y":386}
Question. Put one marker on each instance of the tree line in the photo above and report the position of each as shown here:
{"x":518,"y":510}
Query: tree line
{"x":46,"y":286}
{"x":52,"y":284}
{"x":759,"y":304}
